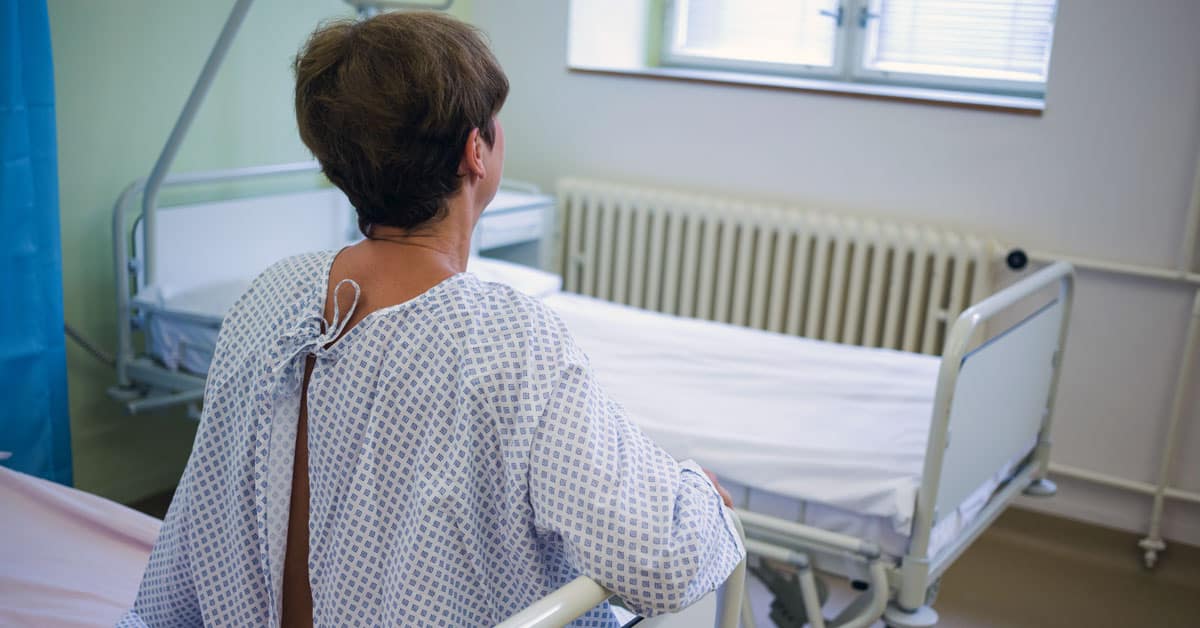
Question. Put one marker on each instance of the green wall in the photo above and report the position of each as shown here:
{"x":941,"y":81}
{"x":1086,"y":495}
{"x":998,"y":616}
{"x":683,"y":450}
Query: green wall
{"x":123,"y":69}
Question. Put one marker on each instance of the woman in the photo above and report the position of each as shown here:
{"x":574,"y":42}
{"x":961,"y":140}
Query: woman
{"x":387,"y":440}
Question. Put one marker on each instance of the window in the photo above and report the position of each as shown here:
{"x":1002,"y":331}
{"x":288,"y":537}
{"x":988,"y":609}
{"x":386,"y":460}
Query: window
{"x":997,"y":47}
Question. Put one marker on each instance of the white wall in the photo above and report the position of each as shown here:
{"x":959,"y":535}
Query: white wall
{"x":1105,"y":172}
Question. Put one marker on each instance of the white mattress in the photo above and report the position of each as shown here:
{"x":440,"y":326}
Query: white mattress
{"x":826,"y":434}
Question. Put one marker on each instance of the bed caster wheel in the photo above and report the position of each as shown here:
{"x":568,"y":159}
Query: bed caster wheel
{"x":896,"y":617}
{"x":1041,"y":488}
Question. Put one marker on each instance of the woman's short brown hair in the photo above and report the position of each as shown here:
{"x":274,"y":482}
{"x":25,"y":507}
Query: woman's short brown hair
{"x":386,"y":106}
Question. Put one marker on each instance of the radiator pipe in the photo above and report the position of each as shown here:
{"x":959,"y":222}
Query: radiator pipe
{"x":1187,"y":257}
{"x":1153,"y":543}
{"x":1133,"y":486}
{"x":1117,"y":268}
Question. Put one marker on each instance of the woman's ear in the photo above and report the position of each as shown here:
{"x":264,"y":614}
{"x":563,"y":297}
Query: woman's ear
{"x":472,"y":156}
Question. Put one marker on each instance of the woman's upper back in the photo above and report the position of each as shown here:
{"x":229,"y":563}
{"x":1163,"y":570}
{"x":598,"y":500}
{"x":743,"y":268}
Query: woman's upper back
{"x":418,"y":418}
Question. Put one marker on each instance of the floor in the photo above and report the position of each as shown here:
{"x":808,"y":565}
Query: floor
{"x":1036,"y":570}
{"x":1032,"y":571}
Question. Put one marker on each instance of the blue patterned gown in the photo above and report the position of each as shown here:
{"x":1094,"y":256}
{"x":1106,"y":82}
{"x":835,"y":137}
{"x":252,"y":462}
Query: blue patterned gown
{"x":463,"y":462}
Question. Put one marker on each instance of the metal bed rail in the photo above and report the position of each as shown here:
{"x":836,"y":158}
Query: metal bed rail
{"x":582,"y":594}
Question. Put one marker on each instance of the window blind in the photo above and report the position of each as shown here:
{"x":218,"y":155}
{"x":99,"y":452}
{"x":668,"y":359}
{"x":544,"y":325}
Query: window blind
{"x":987,"y":39}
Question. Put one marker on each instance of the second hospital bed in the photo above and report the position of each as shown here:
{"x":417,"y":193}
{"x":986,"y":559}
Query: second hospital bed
{"x":878,"y":465}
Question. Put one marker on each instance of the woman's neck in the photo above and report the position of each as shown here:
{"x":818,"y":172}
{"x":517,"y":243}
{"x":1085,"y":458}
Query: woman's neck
{"x":418,"y":251}
{"x":445,"y":243}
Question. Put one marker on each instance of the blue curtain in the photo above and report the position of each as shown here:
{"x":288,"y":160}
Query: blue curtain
{"x":34,"y":419}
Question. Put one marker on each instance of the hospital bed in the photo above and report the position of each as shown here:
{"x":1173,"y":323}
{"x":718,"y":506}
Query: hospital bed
{"x":72,"y":559}
{"x":876,"y":465}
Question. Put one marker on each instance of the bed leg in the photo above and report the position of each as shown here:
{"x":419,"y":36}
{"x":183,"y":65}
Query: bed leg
{"x":896,"y":617}
{"x":799,"y":596}
{"x":125,"y":393}
{"x":1041,"y":487}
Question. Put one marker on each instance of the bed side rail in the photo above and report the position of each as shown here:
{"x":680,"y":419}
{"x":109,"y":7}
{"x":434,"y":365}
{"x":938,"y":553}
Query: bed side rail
{"x":582,"y":594}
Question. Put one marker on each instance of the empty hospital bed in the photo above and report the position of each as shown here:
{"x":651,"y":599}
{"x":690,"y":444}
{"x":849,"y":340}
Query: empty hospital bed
{"x":873,"y":464}
{"x":879,"y":465}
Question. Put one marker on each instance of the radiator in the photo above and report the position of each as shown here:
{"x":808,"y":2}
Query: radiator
{"x":843,"y":279}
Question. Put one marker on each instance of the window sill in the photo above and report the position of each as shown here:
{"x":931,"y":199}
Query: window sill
{"x":969,"y":100}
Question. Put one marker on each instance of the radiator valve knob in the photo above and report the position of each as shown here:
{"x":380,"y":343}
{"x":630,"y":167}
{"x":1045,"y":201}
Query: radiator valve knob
{"x":1016,"y":259}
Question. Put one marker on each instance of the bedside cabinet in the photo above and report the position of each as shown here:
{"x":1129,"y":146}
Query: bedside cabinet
{"x":513,"y":224}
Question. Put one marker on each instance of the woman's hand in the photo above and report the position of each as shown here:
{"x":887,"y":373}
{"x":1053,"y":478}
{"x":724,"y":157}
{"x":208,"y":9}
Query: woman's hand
{"x":725,"y":496}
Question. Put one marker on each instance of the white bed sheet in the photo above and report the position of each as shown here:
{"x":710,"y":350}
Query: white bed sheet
{"x":67,"y":558}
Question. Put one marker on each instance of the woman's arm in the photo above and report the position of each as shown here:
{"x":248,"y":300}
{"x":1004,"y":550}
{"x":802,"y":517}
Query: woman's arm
{"x":643,"y":525}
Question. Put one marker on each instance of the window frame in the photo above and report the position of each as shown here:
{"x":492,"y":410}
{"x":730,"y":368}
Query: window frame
{"x":851,"y":38}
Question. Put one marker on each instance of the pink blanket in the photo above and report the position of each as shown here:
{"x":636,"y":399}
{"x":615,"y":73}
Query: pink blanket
{"x":67,"y":558}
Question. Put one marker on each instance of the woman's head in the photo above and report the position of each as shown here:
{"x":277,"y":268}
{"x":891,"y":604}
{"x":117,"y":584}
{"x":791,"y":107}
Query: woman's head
{"x":386,"y":105}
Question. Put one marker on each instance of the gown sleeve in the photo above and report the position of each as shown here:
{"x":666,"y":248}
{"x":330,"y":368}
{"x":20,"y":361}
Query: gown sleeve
{"x":646,"y":527}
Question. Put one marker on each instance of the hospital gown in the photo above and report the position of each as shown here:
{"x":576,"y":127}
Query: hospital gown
{"x":463,"y":463}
